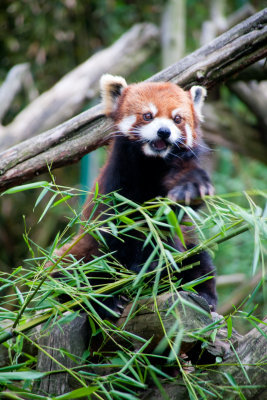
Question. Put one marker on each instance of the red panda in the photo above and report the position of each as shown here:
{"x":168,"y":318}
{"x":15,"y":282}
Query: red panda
{"x":154,"y":152}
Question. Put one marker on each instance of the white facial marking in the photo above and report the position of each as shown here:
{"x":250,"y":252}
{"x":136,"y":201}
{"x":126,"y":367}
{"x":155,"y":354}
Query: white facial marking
{"x":189,"y":135}
{"x":150,"y":152}
{"x":149,"y":131}
{"x":126,"y":124}
{"x":153,"y":109}
{"x":175,"y":112}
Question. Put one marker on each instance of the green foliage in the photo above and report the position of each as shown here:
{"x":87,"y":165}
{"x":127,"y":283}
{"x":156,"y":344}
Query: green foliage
{"x":34,"y":292}
{"x":43,"y":32}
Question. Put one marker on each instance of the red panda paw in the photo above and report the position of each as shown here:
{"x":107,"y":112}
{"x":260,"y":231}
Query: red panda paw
{"x":192,"y":188}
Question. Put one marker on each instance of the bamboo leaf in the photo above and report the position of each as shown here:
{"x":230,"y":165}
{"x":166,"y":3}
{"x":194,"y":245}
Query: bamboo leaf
{"x":77,"y":393}
{"x":48,"y":206}
{"x":17,"y":189}
{"x":229,"y":327}
{"x":18,"y":376}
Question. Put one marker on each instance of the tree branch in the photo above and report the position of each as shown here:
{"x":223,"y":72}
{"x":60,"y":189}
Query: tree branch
{"x":19,"y":76}
{"x":66,"y":98}
{"x":67,"y":143}
{"x":253,"y":94}
{"x":224,"y":128}
{"x":152,"y":320}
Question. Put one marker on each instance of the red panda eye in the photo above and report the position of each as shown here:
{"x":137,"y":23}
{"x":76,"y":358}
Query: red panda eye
{"x":177,"y":119}
{"x":147,"y":116}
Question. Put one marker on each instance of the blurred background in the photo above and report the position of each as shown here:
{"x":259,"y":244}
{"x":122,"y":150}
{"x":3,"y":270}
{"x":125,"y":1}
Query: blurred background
{"x":55,"y":36}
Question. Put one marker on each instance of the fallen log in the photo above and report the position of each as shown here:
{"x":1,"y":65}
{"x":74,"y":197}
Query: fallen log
{"x":158,"y":321}
{"x":68,"y":95}
{"x":226,"y":55}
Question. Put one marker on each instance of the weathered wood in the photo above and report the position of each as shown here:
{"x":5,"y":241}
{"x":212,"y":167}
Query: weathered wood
{"x":74,"y":338}
{"x":222,"y":127}
{"x":224,"y":56}
{"x":251,"y":350}
{"x":18,"y":77}
{"x":67,"y":143}
{"x":147,"y":321}
{"x":66,"y":98}
{"x":254,"y":95}
{"x":152,"y":315}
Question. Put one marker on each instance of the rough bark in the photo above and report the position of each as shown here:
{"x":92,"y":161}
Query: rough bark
{"x":224,"y":56}
{"x":66,"y":98}
{"x":222,"y":127}
{"x":18,"y":77}
{"x":67,"y":143}
{"x":74,"y":338}
{"x":254,"y":95}
{"x":148,"y":322}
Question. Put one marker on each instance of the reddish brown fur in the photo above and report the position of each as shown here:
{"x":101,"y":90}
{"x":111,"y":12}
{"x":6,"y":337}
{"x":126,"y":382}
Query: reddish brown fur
{"x":141,"y":177}
{"x":165,"y":96}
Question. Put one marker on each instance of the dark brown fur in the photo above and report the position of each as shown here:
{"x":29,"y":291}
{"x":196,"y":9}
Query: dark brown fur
{"x":140,"y":178}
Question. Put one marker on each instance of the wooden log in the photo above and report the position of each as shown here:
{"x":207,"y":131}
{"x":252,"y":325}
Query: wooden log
{"x":18,"y":77}
{"x":66,"y":98}
{"x":72,"y":337}
{"x":67,"y":143}
{"x":243,"y":370}
{"x":151,"y":320}
{"x":226,"y":55}
{"x":222,"y":127}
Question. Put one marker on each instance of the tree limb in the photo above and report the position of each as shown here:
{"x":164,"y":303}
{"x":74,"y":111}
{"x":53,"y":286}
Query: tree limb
{"x":66,"y":98}
{"x":152,"y":321}
{"x":67,"y":143}
{"x":251,"y":351}
{"x":222,"y":127}
{"x":19,"y":76}
{"x":253,"y":94}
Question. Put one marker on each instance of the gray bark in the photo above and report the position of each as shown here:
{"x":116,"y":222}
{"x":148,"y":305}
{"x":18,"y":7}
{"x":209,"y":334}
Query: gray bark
{"x":148,"y":322}
{"x":66,"y":98}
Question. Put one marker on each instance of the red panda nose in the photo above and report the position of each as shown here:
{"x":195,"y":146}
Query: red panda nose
{"x":164,"y":132}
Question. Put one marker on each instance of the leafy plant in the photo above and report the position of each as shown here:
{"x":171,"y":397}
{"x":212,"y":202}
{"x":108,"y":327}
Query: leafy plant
{"x":35,"y":294}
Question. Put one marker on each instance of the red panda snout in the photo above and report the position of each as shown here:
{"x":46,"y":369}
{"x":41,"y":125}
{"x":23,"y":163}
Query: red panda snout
{"x":164,"y":133}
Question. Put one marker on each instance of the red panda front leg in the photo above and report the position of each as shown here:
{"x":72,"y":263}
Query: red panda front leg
{"x":188,"y":185}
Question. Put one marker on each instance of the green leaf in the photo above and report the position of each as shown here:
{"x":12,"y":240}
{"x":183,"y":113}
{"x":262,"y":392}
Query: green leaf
{"x":122,"y":395}
{"x":41,"y":196}
{"x":125,"y":200}
{"x":229,"y":327}
{"x":96,"y":191}
{"x":48,"y":206}
{"x":63,"y":200}
{"x":192,"y":284}
{"x":77,"y":393}
{"x":173,"y":222}
{"x":35,"y":185}
{"x":126,"y":220}
{"x":18,"y":376}
{"x":145,"y":266}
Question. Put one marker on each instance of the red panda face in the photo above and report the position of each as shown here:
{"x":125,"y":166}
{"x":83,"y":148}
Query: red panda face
{"x":160,"y":116}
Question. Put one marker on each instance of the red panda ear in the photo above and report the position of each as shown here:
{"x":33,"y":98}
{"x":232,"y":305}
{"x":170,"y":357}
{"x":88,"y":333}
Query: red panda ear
{"x":111,"y":88}
{"x":198,"y":94}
